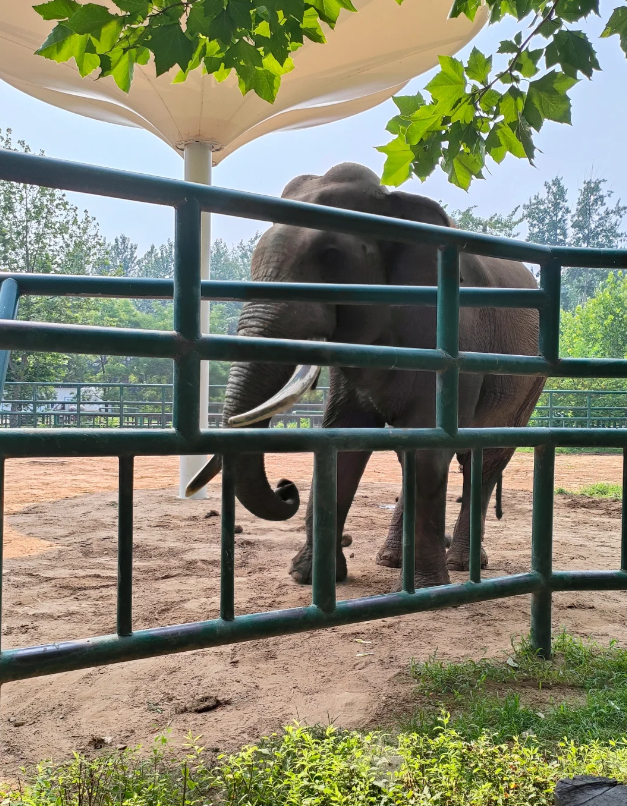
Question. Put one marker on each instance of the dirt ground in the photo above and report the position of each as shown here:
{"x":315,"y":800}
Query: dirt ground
{"x":60,"y":581}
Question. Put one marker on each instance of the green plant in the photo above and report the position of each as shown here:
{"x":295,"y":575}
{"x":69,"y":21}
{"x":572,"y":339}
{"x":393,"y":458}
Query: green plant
{"x":602,"y":489}
{"x":581,"y":694}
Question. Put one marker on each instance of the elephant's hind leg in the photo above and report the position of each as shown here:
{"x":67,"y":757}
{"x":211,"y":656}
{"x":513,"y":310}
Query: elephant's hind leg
{"x":390,"y":554}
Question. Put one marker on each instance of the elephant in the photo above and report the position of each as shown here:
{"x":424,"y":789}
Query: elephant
{"x":374,"y":398}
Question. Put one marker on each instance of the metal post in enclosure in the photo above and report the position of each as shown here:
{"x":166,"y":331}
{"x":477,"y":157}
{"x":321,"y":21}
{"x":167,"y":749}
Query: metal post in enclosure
{"x":198,"y":169}
{"x":448,"y":338}
{"x":9,"y":299}
{"x":542,"y":548}
{"x":325,"y":527}
{"x":409,"y":521}
{"x":476,"y":507}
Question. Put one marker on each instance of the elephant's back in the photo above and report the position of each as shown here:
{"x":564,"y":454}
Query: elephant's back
{"x":493,"y":272}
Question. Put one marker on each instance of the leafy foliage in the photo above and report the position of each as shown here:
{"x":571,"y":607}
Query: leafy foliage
{"x":255,"y":40}
{"x":493,"y":105}
{"x":496,"y":224}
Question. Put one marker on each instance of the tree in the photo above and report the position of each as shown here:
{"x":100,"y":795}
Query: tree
{"x":548,"y":215}
{"x":496,"y":224}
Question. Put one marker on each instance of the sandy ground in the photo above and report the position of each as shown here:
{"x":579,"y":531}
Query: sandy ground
{"x":59,"y":583}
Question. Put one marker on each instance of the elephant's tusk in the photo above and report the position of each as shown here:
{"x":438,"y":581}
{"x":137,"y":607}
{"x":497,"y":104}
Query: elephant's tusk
{"x":204,"y":476}
{"x":301,"y":381}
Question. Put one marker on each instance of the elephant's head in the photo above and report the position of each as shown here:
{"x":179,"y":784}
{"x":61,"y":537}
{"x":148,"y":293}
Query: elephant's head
{"x":256,"y":392}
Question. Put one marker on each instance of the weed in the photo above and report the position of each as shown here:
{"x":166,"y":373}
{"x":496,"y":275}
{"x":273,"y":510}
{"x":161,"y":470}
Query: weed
{"x":602,"y":489}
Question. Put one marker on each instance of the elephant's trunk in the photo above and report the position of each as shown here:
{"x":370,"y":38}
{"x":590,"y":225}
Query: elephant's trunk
{"x":249,"y":386}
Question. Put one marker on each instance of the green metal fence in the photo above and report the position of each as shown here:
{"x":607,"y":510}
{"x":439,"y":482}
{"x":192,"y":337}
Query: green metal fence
{"x":149,"y":405}
{"x":186,"y":347}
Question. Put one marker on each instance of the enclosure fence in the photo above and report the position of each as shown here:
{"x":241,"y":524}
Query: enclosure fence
{"x":26,"y":404}
{"x":187,"y":347}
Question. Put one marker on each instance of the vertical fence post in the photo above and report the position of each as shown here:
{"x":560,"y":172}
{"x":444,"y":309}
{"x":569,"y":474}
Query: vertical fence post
{"x":623,"y":541}
{"x":409,"y":521}
{"x":476,"y":483}
{"x":227,"y":549}
{"x":121,"y":407}
{"x":125,"y":546}
{"x":9,"y":300}
{"x":550,"y":281}
{"x":447,"y":338}
{"x":324,"y":529}
{"x":186,"y":396}
{"x":542,"y":547}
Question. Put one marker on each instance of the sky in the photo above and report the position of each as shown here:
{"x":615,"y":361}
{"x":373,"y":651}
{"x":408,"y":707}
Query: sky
{"x":592,"y":146}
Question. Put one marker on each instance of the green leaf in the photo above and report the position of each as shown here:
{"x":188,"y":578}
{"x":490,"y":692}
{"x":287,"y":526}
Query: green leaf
{"x":266,"y":84}
{"x":240,"y":12}
{"x":489,"y":99}
{"x":508,"y":139}
{"x":478,"y":67}
{"x":90,"y":19}
{"x":467,"y":7}
{"x":397,"y":168}
{"x":427,"y":156}
{"x":527,"y":62}
{"x":549,"y":27}
{"x":311,"y":27}
{"x":574,"y":53}
{"x":201,"y":15}
{"x":57,"y":9}
{"x":511,"y":104}
{"x":449,"y":85}
{"x":617,"y":25}
{"x":170,"y":46}
{"x":62,"y":44}
{"x":139,"y":7}
{"x":573,"y":10}
{"x":494,"y":146}
{"x":396,"y":124}
{"x":547,"y":99}
{"x":459,"y":173}
{"x":408,"y":104}
{"x":507,"y":46}
{"x":425,"y":119}
{"x":222,"y":28}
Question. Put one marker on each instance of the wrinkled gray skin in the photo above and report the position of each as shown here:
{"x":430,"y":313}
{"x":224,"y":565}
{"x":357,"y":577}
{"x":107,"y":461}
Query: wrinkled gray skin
{"x":370,"y":398}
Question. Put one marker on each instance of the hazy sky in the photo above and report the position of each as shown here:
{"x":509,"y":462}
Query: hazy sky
{"x":593,"y":145}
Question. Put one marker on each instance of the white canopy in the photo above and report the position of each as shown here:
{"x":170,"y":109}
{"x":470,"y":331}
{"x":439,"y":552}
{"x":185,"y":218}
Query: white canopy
{"x":369,"y":57}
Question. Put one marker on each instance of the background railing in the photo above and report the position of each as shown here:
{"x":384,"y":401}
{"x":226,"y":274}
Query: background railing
{"x":123,"y":405}
{"x":132,"y":405}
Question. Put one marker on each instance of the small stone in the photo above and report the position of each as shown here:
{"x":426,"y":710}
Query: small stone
{"x":351,"y":555}
{"x":213,"y":513}
{"x":18,"y":723}
{"x":121,"y":746}
{"x":346,"y":541}
{"x":238,"y":530}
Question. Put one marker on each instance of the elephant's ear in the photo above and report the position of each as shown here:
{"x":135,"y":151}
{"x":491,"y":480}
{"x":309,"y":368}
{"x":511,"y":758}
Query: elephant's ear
{"x":410,"y":264}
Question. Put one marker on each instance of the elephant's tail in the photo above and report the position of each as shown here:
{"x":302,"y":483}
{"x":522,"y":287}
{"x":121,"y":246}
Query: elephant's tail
{"x":498,"y":503}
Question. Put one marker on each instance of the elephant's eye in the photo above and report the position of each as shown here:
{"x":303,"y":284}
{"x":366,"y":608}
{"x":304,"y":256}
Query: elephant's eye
{"x":332,"y":258}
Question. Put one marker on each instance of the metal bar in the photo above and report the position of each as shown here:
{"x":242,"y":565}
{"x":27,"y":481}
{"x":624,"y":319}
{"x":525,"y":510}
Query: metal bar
{"x":476,"y":513}
{"x":324,"y":529}
{"x":221,"y":290}
{"x":589,"y":580}
{"x":623,"y":533}
{"x":28,"y":442}
{"x":125,"y":546}
{"x":550,"y":283}
{"x":227,"y":555}
{"x":21,"y":664}
{"x":46,"y":172}
{"x":9,"y":301}
{"x":78,"y":405}
{"x":447,"y":338}
{"x":542,"y":548}
{"x":409,"y":521}
{"x":187,"y":317}
{"x":122,"y":407}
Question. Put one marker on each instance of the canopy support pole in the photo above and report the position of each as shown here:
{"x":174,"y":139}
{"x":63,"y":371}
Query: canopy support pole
{"x":198,"y":169}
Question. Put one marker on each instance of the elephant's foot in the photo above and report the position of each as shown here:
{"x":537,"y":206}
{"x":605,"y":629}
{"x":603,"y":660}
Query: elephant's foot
{"x":427,"y":579}
{"x":300,"y":570}
{"x":390,"y":555}
{"x":458,"y":560}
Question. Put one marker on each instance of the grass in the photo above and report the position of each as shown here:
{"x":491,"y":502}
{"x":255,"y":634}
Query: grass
{"x":581,"y":694}
{"x":602,"y":489}
{"x":483,"y":741}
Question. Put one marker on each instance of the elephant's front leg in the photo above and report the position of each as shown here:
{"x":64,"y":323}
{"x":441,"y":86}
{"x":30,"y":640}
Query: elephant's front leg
{"x":430,"y":549}
{"x":350,"y":469}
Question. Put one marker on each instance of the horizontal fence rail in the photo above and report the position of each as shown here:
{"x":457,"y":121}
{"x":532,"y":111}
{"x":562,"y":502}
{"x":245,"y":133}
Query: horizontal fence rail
{"x":186,"y":346}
